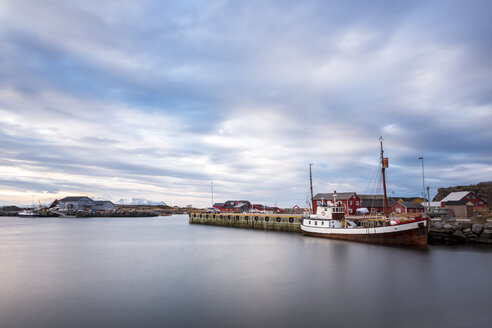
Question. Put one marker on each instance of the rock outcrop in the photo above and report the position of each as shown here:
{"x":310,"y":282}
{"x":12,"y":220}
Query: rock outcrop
{"x":460,"y":233}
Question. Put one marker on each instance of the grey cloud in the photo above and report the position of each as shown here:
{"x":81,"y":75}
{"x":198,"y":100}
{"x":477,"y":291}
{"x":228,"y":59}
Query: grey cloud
{"x":207,"y":64}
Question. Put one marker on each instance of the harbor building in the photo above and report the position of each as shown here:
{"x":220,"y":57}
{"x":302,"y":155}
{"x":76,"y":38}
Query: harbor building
{"x":242,"y":206}
{"x":81,"y":203}
{"x":75,"y":204}
{"x":407,"y":207}
{"x":234,"y":206}
{"x":464,"y":196}
{"x":104,"y":205}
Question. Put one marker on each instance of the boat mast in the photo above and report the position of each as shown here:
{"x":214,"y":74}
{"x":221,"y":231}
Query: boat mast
{"x":311,"y":184}
{"x":384,"y":164}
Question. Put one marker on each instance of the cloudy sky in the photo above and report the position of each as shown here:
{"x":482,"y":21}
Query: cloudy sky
{"x":157,"y":99}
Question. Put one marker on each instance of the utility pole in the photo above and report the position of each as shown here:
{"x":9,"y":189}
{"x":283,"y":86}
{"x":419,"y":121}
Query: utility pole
{"x":428,"y":200}
{"x":423,"y":179}
{"x":212,"y":187}
{"x":311,"y":183}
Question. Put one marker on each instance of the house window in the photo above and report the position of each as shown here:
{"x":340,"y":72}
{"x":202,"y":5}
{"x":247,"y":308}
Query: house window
{"x":357,"y":202}
{"x":473,"y":196}
{"x":351,"y":203}
{"x":350,"y":210}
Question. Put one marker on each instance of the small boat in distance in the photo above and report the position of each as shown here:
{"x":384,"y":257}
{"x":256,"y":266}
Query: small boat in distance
{"x":330,"y":222}
{"x":28,"y":214}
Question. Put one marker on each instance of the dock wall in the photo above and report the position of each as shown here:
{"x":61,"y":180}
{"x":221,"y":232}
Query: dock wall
{"x":275,"y":222}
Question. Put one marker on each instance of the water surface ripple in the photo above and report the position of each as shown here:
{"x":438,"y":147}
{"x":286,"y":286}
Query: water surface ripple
{"x":156,"y":272}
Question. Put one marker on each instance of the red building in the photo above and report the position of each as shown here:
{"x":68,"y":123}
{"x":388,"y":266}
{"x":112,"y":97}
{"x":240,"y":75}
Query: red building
{"x":468,"y":196}
{"x":406,"y":207}
{"x":235,"y":206}
{"x":261,"y":208}
{"x":375,"y":204}
{"x":351,"y":202}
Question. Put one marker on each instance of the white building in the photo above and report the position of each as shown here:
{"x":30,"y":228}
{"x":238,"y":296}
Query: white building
{"x":104,"y":205}
{"x":82,"y":203}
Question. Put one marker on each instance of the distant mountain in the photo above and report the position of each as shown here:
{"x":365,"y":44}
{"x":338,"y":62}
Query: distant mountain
{"x":138,"y":201}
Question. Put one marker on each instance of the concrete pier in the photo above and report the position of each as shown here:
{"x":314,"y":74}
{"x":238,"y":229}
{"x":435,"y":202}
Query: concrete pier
{"x":275,"y":222}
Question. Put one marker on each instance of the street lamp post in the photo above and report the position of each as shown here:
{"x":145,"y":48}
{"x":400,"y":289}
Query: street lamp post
{"x":423,"y":181}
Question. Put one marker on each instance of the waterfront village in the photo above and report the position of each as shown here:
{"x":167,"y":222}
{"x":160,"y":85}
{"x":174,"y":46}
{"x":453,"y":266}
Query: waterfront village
{"x":458,"y":216}
{"x":460,"y":204}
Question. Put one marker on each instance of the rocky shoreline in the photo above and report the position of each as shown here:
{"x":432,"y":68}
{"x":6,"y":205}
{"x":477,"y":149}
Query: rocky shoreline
{"x":453,"y":232}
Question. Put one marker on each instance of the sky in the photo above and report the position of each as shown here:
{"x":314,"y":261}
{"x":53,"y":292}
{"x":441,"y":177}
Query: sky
{"x":158,"y":99}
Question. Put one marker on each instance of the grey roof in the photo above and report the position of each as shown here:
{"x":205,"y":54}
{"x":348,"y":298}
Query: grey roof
{"x":73,"y":198}
{"x":101,"y":202}
{"x":329,"y":196}
{"x":368,"y":203}
{"x":457,"y":195}
{"x":411,"y":205}
{"x":219,"y":204}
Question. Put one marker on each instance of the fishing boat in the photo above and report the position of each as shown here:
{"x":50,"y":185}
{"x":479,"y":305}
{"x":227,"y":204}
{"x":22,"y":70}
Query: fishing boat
{"x":330,"y":221}
{"x":28,"y":214}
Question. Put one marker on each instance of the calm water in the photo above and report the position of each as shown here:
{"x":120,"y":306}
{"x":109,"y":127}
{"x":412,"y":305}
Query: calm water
{"x":128,"y":272}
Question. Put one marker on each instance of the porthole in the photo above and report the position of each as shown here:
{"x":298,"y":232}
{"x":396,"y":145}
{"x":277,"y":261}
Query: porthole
{"x":322,"y":222}
{"x":309,"y":222}
{"x":315,"y":222}
{"x":256,"y":218}
{"x":267,"y":219}
{"x":278,"y":219}
{"x":291,"y":220}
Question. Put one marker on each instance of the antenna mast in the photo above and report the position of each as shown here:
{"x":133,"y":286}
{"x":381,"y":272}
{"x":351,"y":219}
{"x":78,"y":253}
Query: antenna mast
{"x":384,"y":165}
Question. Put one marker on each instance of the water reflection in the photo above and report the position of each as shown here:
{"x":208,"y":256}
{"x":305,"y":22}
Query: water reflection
{"x":165,"y":272}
